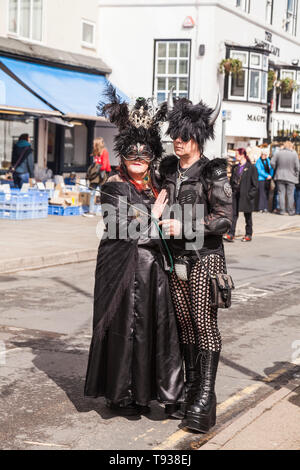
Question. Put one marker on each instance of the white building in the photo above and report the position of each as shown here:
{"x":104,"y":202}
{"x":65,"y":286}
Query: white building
{"x":51,"y":77}
{"x":152,"y":45}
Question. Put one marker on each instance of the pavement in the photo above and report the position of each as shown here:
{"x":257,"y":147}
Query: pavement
{"x":33,"y":244}
{"x":273,"y":424}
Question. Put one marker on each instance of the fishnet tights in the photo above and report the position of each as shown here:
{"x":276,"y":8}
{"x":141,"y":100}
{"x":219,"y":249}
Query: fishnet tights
{"x":198,"y":321}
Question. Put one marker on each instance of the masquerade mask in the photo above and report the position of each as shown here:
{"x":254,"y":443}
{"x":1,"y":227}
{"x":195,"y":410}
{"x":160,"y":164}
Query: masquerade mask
{"x":139,"y":152}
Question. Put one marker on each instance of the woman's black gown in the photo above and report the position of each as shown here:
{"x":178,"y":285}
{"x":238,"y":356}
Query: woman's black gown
{"x":134,"y":353}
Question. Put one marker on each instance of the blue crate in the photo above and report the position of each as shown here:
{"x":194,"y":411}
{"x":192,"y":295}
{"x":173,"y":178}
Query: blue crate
{"x":15,"y":215}
{"x":16,"y":201}
{"x":64,"y":211}
{"x":39,"y":195}
{"x":70,"y":181}
{"x":40,"y":214}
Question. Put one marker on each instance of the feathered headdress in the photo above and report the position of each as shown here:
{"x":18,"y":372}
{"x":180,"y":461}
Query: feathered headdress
{"x":191,"y":121}
{"x":137,"y":124}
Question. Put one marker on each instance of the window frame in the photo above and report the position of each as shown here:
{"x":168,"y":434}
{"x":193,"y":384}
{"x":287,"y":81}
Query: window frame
{"x":291,"y":17}
{"x":296,"y":77}
{"x":269,"y":14}
{"x":167,"y":76}
{"x":239,"y":98}
{"x":255,"y":100}
{"x":262,"y":68}
{"x":17,"y":34}
{"x":245,"y":5}
{"x":84,"y":43}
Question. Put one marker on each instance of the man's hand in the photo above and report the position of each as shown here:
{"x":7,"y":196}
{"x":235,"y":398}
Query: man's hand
{"x":171,"y":227}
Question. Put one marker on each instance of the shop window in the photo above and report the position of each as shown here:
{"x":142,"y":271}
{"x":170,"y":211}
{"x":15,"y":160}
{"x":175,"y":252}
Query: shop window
{"x":75,"y":147}
{"x":25,"y":19}
{"x":88,"y":33}
{"x":251,"y":84}
{"x":255,"y":87}
{"x":238,"y":85}
{"x":171,"y":69}
{"x":10,"y":132}
{"x":290,"y":22}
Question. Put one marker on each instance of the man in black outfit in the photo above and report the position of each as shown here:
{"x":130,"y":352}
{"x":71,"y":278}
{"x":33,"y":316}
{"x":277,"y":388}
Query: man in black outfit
{"x":191,"y":179}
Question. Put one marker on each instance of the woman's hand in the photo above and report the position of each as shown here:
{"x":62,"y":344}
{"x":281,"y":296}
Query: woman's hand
{"x":171,"y":227}
{"x":160,"y":204}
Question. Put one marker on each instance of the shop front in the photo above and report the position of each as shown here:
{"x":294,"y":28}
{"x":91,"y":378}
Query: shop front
{"x":60,"y":114}
{"x":245,"y":124}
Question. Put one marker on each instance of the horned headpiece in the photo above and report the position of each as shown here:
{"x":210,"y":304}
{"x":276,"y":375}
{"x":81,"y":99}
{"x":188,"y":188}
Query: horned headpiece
{"x":191,"y":121}
{"x":138,"y":124}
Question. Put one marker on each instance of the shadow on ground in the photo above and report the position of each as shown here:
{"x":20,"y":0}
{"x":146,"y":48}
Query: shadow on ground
{"x":66,"y":366}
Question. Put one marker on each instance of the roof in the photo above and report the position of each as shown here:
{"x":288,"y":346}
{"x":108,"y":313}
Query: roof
{"x":36,"y":52}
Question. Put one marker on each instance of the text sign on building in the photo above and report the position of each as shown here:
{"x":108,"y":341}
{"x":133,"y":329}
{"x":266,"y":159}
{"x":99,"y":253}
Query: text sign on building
{"x":246,"y":121}
{"x":267,"y":44}
{"x":256,"y":118}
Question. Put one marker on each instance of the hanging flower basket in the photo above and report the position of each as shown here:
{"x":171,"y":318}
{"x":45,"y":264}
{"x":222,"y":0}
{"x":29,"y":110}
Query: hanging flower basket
{"x":287,"y":85}
{"x":228,"y":66}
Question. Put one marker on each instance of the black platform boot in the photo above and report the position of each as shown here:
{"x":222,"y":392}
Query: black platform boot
{"x":192,"y":380}
{"x":192,"y":377}
{"x":201,"y":414}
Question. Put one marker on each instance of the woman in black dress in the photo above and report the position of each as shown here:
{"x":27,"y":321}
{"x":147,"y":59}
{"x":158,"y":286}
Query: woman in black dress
{"x":134,"y":355}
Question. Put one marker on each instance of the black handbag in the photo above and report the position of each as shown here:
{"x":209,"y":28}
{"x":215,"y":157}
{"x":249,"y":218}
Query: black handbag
{"x":221,"y":286}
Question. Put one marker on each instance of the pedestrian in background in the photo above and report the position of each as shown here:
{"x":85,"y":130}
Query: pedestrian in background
{"x":22,"y":161}
{"x":297,"y":196}
{"x":244,"y":183}
{"x":101,"y":156}
{"x":265,"y":174}
{"x":286,"y":165}
{"x":98,"y":171}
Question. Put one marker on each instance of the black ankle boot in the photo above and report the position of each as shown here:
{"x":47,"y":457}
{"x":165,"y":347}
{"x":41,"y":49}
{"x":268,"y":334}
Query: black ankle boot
{"x":201,"y":414}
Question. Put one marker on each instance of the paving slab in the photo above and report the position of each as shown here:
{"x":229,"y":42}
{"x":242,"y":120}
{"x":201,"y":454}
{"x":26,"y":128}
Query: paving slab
{"x":28,"y":244}
{"x":273,"y":424}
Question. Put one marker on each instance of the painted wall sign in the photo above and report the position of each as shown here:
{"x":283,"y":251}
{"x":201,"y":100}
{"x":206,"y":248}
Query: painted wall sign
{"x":267,"y":46}
{"x":256,"y":118}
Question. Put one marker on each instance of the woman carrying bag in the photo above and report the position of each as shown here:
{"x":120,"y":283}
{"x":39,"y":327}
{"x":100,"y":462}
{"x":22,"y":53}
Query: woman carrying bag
{"x":244,"y":183}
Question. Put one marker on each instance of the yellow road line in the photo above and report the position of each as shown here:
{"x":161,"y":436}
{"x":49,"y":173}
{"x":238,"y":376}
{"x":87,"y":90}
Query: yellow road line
{"x":175,"y":438}
{"x":46,"y":444}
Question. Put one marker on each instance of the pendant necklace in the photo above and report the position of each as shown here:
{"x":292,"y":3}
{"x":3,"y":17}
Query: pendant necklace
{"x":181,"y":178}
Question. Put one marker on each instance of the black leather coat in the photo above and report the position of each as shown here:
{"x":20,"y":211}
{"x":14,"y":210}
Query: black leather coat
{"x":245,"y":186}
{"x":207,"y":185}
{"x":134,"y":352}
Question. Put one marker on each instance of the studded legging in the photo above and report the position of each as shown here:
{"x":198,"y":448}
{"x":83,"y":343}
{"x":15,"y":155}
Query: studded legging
{"x":198,"y":321}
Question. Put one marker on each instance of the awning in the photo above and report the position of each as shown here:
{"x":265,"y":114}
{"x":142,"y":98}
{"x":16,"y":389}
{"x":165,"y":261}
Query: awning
{"x":15,"y":98}
{"x":74,"y":94}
